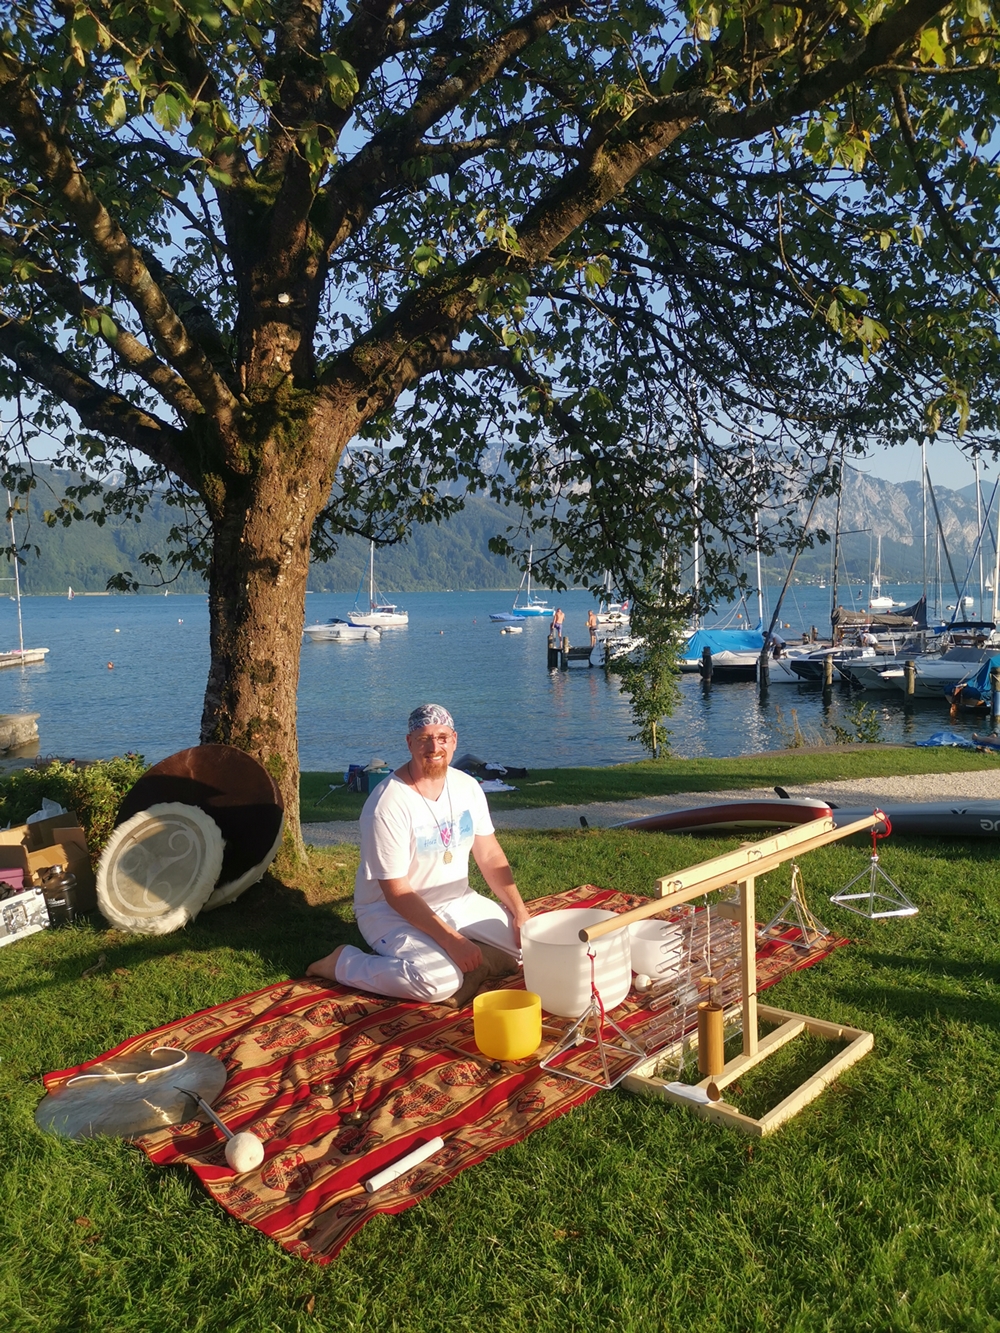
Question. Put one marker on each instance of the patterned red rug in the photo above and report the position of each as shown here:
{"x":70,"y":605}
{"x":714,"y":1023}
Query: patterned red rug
{"x":289,"y":1052}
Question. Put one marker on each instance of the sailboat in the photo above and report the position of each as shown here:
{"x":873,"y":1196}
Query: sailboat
{"x":380,"y":613}
{"x":877,"y":602}
{"x":19,"y":656}
{"x":531,"y":607}
{"x":611,"y":613}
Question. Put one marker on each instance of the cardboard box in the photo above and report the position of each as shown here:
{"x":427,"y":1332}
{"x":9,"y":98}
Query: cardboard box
{"x":51,"y":842}
{"x":24,"y":914}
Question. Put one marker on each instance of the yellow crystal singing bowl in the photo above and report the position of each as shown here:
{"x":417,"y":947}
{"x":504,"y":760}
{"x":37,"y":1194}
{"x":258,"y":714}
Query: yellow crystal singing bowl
{"x":507,"y":1023}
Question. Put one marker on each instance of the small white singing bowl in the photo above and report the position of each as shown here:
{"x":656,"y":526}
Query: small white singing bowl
{"x":656,"y":947}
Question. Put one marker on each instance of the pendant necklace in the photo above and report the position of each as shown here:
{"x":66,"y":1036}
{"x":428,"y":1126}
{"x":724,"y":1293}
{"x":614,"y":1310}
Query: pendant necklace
{"x":442,"y":834}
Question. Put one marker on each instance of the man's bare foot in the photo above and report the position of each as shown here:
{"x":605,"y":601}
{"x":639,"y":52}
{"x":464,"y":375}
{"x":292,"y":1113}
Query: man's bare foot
{"x":325,"y":969}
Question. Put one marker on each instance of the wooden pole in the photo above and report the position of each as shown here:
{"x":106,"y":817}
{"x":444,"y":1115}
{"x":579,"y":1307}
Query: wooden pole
{"x":748,"y":963}
{"x":720,"y":871}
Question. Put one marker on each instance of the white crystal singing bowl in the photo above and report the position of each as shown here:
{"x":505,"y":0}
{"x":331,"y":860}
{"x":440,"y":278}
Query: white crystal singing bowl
{"x":557,"y":966}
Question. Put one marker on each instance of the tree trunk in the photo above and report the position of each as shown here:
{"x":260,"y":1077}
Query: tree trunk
{"x":257,"y":585}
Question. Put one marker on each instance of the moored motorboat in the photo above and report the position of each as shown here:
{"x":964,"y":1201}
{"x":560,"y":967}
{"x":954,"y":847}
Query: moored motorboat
{"x":611,"y":646}
{"x":735,"y":652}
{"x":340,"y":631}
{"x":933,"y":675}
{"x":22,"y":656}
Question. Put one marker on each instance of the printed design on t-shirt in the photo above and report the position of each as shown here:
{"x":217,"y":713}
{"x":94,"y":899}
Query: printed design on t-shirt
{"x":446,"y":834}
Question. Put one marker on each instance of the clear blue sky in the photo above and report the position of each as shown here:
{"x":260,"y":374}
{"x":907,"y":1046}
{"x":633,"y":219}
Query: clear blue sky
{"x":949,"y":467}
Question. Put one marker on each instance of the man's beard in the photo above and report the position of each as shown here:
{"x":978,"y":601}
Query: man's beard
{"x":436,"y":766}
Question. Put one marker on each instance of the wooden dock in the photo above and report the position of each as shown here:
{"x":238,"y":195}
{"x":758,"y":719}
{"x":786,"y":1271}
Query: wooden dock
{"x":561,"y":655}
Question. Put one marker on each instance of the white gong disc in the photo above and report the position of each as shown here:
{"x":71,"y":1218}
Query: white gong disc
{"x":159,"y":868}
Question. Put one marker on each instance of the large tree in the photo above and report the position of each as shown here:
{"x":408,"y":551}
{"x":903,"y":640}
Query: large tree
{"x":317,"y":267}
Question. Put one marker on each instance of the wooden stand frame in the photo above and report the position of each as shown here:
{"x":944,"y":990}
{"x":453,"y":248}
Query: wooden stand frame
{"x":645,"y":1080}
{"x":740,"y":869}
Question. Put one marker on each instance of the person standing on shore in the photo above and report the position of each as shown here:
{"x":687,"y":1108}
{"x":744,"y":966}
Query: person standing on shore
{"x":435,"y":939}
{"x":592,"y":626}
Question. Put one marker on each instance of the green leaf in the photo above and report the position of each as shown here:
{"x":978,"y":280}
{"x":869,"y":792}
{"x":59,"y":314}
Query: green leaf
{"x":931,"y":50}
{"x":341,"y":79}
{"x":669,"y":76}
{"x":426,"y":258}
{"x":168,"y":112}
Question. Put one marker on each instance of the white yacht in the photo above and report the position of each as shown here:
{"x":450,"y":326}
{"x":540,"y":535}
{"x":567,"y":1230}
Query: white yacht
{"x":380,"y":614}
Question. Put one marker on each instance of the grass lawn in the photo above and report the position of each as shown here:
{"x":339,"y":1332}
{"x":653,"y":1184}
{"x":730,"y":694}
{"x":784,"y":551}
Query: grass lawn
{"x":660,"y":777}
{"x":876,"y":1209}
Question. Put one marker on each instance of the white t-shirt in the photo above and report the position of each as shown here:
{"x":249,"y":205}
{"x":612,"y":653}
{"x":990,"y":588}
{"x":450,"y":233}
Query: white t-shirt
{"x":405,"y":836}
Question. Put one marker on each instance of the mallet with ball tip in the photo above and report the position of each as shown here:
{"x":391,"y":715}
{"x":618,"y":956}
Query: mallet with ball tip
{"x":244,"y":1151}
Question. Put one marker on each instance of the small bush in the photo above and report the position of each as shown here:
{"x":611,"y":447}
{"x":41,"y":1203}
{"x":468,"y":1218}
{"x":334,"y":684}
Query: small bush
{"x":93,"y":791}
{"x":866,"y":723}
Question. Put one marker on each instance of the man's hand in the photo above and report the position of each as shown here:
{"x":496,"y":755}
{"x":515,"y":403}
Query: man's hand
{"x":464,"y":954}
{"x":517,"y":914}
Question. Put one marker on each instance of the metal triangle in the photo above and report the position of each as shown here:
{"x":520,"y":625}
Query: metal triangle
{"x":576,"y":1042}
{"x":897,"y":902}
{"x":796,"y":912}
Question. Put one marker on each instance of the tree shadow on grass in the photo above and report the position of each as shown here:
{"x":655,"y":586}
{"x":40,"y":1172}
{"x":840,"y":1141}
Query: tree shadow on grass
{"x":907,"y":1002}
{"x":272,"y":920}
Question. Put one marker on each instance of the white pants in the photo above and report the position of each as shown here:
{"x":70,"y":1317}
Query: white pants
{"x":407,"y":963}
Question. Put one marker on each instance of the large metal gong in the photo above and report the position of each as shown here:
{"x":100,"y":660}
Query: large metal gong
{"x":133,"y":1094}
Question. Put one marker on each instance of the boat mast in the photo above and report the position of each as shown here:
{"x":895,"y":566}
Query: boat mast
{"x":923,"y":501}
{"x":371,"y":577}
{"x":979,"y":529}
{"x":756,"y":535}
{"x":877,"y":576}
{"x":697,"y":545}
{"x":836,"y":543}
{"x":17,"y":580}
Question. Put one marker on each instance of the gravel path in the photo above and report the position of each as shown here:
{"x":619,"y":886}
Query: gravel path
{"x":981,"y":786}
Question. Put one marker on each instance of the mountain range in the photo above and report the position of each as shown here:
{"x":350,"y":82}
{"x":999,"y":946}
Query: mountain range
{"x":456,"y":554}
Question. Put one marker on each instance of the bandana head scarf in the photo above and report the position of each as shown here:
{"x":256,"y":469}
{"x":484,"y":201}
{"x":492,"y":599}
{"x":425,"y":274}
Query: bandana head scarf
{"x":429,"y":715}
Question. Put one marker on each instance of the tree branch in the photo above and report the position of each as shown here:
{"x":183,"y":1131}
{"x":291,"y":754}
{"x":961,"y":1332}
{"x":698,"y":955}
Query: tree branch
{"x":98,"y":408}
{"x":880,"y":47}
{"x":377,"y":168}
{"x":957,"y":241}
{"x":131,"y":352}
{"x":426,"y":322}
{"x":21,"y":113}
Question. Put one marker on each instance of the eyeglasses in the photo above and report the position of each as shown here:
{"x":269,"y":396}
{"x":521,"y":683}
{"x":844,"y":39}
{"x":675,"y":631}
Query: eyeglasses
{"x":432,"y":741}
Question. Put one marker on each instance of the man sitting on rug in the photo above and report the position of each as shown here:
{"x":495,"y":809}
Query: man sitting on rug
{"x":412,"y":899}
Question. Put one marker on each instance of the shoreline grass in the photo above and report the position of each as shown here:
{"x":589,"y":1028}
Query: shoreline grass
{"x":660,"y":777}
{"x":875,"y":1209}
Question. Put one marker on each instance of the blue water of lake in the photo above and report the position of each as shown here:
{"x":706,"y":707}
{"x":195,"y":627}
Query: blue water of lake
{"x":354,"y":698}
